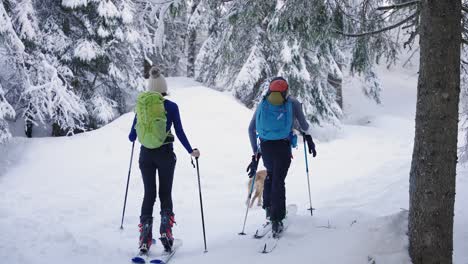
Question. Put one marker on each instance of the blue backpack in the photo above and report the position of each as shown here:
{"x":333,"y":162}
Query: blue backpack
{"x":274,"y":122}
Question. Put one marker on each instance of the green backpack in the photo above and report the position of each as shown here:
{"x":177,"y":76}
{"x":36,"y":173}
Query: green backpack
{"x":151,"y":120}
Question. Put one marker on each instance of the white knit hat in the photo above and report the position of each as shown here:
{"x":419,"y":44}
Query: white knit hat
{"x":157,"y":82}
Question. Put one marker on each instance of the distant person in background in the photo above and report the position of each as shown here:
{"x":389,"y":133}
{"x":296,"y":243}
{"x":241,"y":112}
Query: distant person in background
{"x":152,"y":125}
{"x":273,"y":123}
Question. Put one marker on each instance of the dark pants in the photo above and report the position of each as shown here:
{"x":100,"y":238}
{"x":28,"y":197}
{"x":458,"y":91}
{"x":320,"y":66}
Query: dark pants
{"x":163,"y":160}
{"x":276,"y":158}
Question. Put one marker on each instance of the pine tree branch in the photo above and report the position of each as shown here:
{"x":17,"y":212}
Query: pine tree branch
{"x":464,"y":41}
{"x":398,"y":6}
{"x":356,"y":35}
{"x":162,"y":3}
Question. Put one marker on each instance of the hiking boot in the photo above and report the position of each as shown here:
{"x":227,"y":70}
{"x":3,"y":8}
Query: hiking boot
{"x":277,"y":228}
{"x":146,"y":233}
{"x":167,"y":222}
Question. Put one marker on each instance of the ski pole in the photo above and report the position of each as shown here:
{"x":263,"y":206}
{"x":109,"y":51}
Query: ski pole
{"x":201,"y":204}
{"x":311,"y":209}
{"x":128,"y":180}
{"x":242,"y":233}
{"x":247,"y":210}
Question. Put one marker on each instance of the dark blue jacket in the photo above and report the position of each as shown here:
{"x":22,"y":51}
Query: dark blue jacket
{"x":173,"y":117}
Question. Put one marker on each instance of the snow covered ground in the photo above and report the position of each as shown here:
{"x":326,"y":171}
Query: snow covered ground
{"x":61,"y":198}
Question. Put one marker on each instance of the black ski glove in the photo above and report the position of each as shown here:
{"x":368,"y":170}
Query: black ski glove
{"x":310,"y":144}
{"x":252,"y":168}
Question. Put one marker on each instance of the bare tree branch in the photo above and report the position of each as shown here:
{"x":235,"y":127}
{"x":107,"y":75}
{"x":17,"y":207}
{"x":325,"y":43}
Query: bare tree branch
{"x":398,"y":6}
{"x":415,"y":23}
{"x":412,"y":37}
{"x":410,"y":57}
{"x":356,"y":35}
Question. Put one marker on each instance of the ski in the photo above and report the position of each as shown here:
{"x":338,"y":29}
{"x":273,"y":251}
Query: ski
{"x":263,"y":230}
{"x":266,"y":227}
{"x":269,"y":244}
{"x":271,"y":240}
{"x":143,"y":255}
{"x":166,"y":256}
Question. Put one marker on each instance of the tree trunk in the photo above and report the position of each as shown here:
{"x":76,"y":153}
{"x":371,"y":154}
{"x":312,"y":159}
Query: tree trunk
{"x":146,"y":68}
{"x":192,"y":44}
{"x":337,"y":83}
{"x":28,"y":126}
{"x":192,"y":49}
{"x":433,"y":168}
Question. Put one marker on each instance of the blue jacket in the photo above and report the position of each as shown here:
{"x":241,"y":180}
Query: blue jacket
{"x":173,"y":118}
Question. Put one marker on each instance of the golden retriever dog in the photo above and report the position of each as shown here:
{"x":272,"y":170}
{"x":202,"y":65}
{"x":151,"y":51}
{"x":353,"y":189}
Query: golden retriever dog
{"x":257,"y":190}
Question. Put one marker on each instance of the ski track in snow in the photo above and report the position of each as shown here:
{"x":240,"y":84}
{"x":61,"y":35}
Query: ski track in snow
{"x":61,"y":198}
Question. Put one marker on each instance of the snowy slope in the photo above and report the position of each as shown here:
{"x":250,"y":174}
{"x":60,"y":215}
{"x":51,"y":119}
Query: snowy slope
{"x":61,"y":198}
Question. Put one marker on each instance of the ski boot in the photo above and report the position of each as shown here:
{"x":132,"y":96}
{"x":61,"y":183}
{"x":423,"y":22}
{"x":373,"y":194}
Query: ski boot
{"x":146,"y":234}
{"x":268,"y":214}
{"x":266,"y":227}
{"x":167,"y":222}
{"x":277,"y":228}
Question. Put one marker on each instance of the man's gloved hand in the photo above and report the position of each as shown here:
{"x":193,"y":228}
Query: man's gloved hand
{"x":252,"y":168}
{"x":310,"y":144}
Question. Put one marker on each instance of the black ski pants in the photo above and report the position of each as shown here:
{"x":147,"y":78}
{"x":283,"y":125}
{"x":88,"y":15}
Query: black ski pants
{"x":162,"y":160}
{"x":276,"y":158}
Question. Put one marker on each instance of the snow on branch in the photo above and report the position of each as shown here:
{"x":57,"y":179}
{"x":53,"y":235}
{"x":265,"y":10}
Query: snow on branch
{"x":108,"y":10}
{"x":50,"y":100}
{"x":26,"y":19}
{"x":6,"y":29}
{"x":74,"y":3}
{"x":250,"y":73}
{"x":127,"y":14}
{"x":6,"y":110}
{"x":4,"y":133}
{"x":371,"y":85}
{"x":87,"y":51}
{"x":103,"y":109}
{"x":5,"y":21}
